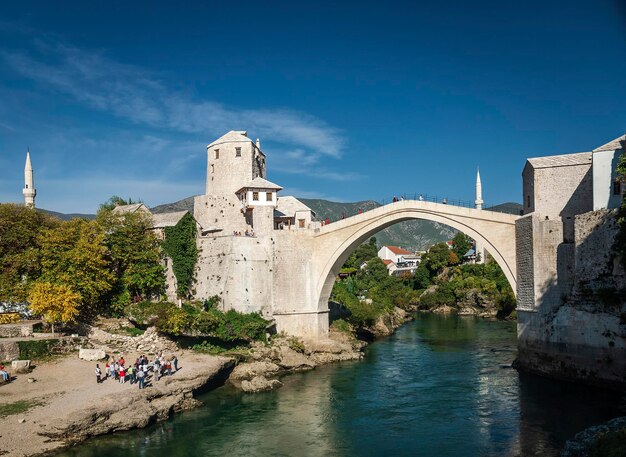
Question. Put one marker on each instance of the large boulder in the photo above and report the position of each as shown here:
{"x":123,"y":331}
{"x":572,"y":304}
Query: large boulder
{"x":91,"y":354}
{"x":9,"y":350}
{"x":292,"y":360}
{"x":20,"y":366}
{"x":260,"y":384}
{"x":325,"y":345}
{"x":247,"y":371}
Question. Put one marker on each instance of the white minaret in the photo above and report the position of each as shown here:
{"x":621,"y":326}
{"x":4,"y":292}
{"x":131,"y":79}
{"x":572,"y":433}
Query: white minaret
{"x":29,"y":183}
{"x":479,"y":191}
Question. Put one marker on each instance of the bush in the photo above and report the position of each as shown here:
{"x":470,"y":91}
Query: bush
{"x":191,"y":319}
{"x":234,"y":326}
{"x":296,"y":344}
{"x":37,"y":349}
{"x":341,"y":326}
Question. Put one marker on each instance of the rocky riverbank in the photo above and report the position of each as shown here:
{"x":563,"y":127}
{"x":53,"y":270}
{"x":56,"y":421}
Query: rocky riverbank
{"x":66,"y":406}
{"x":605,"y":439}
{"x":266,"y":363}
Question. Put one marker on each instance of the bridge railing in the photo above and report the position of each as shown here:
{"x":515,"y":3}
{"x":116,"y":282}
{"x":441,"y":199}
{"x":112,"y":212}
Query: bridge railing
{"x":426,"y":198}
{"x":443,"y":200}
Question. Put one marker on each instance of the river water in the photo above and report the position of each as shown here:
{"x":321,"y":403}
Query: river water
{"x":440,"y":386}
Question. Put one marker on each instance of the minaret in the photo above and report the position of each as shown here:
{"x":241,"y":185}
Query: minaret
{"x":29,"y":183}
{"x":479,"y":191}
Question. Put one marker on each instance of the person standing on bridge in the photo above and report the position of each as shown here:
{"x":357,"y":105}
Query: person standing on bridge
{"x":395,"y":199}
{"x":444,"y":201}
{"x":421,"y":198}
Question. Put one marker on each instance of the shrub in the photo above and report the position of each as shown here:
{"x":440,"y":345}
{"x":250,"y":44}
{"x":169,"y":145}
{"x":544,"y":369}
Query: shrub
{"x":190,"y":319}
{"x":296,"y":344}
{"x":235,"y":326}
{"x":341,"y":326}
{"x":36,"y":349}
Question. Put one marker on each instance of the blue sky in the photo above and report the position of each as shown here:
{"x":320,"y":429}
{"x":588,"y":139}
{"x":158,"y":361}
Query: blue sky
{"x":351,"y":100}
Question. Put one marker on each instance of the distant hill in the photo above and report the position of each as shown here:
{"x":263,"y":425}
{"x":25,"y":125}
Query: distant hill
{"x":67,"y":217}
{"x":509,"y":208}
{"x":180,"y":205}
{"x":411,"y":235}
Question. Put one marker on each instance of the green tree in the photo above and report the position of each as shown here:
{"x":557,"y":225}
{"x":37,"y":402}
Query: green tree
{"x":19,"y":249}
{"x":116,"y":201}
{"x":421,"y":279}
{"x":437,"y":258}
{"x":461,"y":243}
{"x":135,"y":256}
{"x":74,"y":255}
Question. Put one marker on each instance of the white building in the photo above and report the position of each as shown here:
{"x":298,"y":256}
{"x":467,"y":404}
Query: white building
{"x":291,"y":213}
{"x":398,"y":260}
{"x":607,"y":188}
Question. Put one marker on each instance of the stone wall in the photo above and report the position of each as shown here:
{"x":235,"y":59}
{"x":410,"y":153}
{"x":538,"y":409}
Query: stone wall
{"x":237,"y":269}
{"x":576,"y":328}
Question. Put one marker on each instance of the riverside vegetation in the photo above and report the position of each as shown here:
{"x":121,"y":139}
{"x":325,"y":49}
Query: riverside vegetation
{"x":75,"y":271}
{"x":442,"y":282}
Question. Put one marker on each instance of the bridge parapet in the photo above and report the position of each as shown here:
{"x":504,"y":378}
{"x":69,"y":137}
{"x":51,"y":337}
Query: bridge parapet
{"x":420,"y":205}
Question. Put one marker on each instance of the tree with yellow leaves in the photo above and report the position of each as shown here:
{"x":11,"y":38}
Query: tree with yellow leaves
{"x":54,"y":302}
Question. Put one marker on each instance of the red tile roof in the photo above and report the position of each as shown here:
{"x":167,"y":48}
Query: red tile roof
{"x":387,"y":262}
{"x":398,"y":251}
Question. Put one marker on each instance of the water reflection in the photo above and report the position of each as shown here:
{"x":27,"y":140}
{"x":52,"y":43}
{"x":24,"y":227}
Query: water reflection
{"x":440,"y":386}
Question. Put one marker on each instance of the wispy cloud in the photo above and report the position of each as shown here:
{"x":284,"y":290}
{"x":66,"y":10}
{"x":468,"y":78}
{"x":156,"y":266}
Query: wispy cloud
{"x":135,"y":94}
{"x":297,"y":161}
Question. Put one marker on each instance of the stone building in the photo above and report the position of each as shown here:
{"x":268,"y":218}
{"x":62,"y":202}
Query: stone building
{"x":564,"y":246}
{"x":242,"y":220}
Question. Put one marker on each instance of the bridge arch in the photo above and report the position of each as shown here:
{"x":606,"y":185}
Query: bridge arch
{"x":335,"y":242}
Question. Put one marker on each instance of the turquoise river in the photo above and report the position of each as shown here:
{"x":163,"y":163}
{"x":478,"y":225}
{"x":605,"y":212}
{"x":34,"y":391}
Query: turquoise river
{"x":441,"y":386}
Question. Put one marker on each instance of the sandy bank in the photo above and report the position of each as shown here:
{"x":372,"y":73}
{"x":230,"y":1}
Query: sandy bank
{"x":72,"y":407}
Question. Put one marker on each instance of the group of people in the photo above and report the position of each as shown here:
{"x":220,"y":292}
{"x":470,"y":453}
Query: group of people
{"x":4,"y":374}
{"x":137,"y":372}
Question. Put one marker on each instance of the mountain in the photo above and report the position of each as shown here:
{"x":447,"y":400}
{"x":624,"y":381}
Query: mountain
{"x":415,"y":235}
{"x":180,"y":205}
{"x":509,"y":208}
{"x":67,"y":217}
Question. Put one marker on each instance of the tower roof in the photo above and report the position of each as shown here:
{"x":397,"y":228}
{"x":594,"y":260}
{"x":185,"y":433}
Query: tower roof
{"x":260,"y":183}
{"x":28,"y":165}
{"x":234,"y":136}
{"x":613,"y":145}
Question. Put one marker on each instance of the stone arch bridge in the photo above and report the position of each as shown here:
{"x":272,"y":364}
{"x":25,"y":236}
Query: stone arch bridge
{"x":307,"y":311}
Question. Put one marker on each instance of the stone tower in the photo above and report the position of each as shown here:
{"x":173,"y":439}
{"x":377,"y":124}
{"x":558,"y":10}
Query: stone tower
{"x":233,"y":160}
{"x":29,"y":183}
{"x":479,"y":192}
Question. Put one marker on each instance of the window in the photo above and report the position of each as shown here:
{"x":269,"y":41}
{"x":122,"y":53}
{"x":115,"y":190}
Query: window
{"x":237,"y":152}
{"x":217,"y":153}
{"x":300,"y":223}
{"x":255,"y":196}
{"x":212,"y":168}
{"x":528,"y":200}
{"x":617,"y":188}
{"x":268,"y":196}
